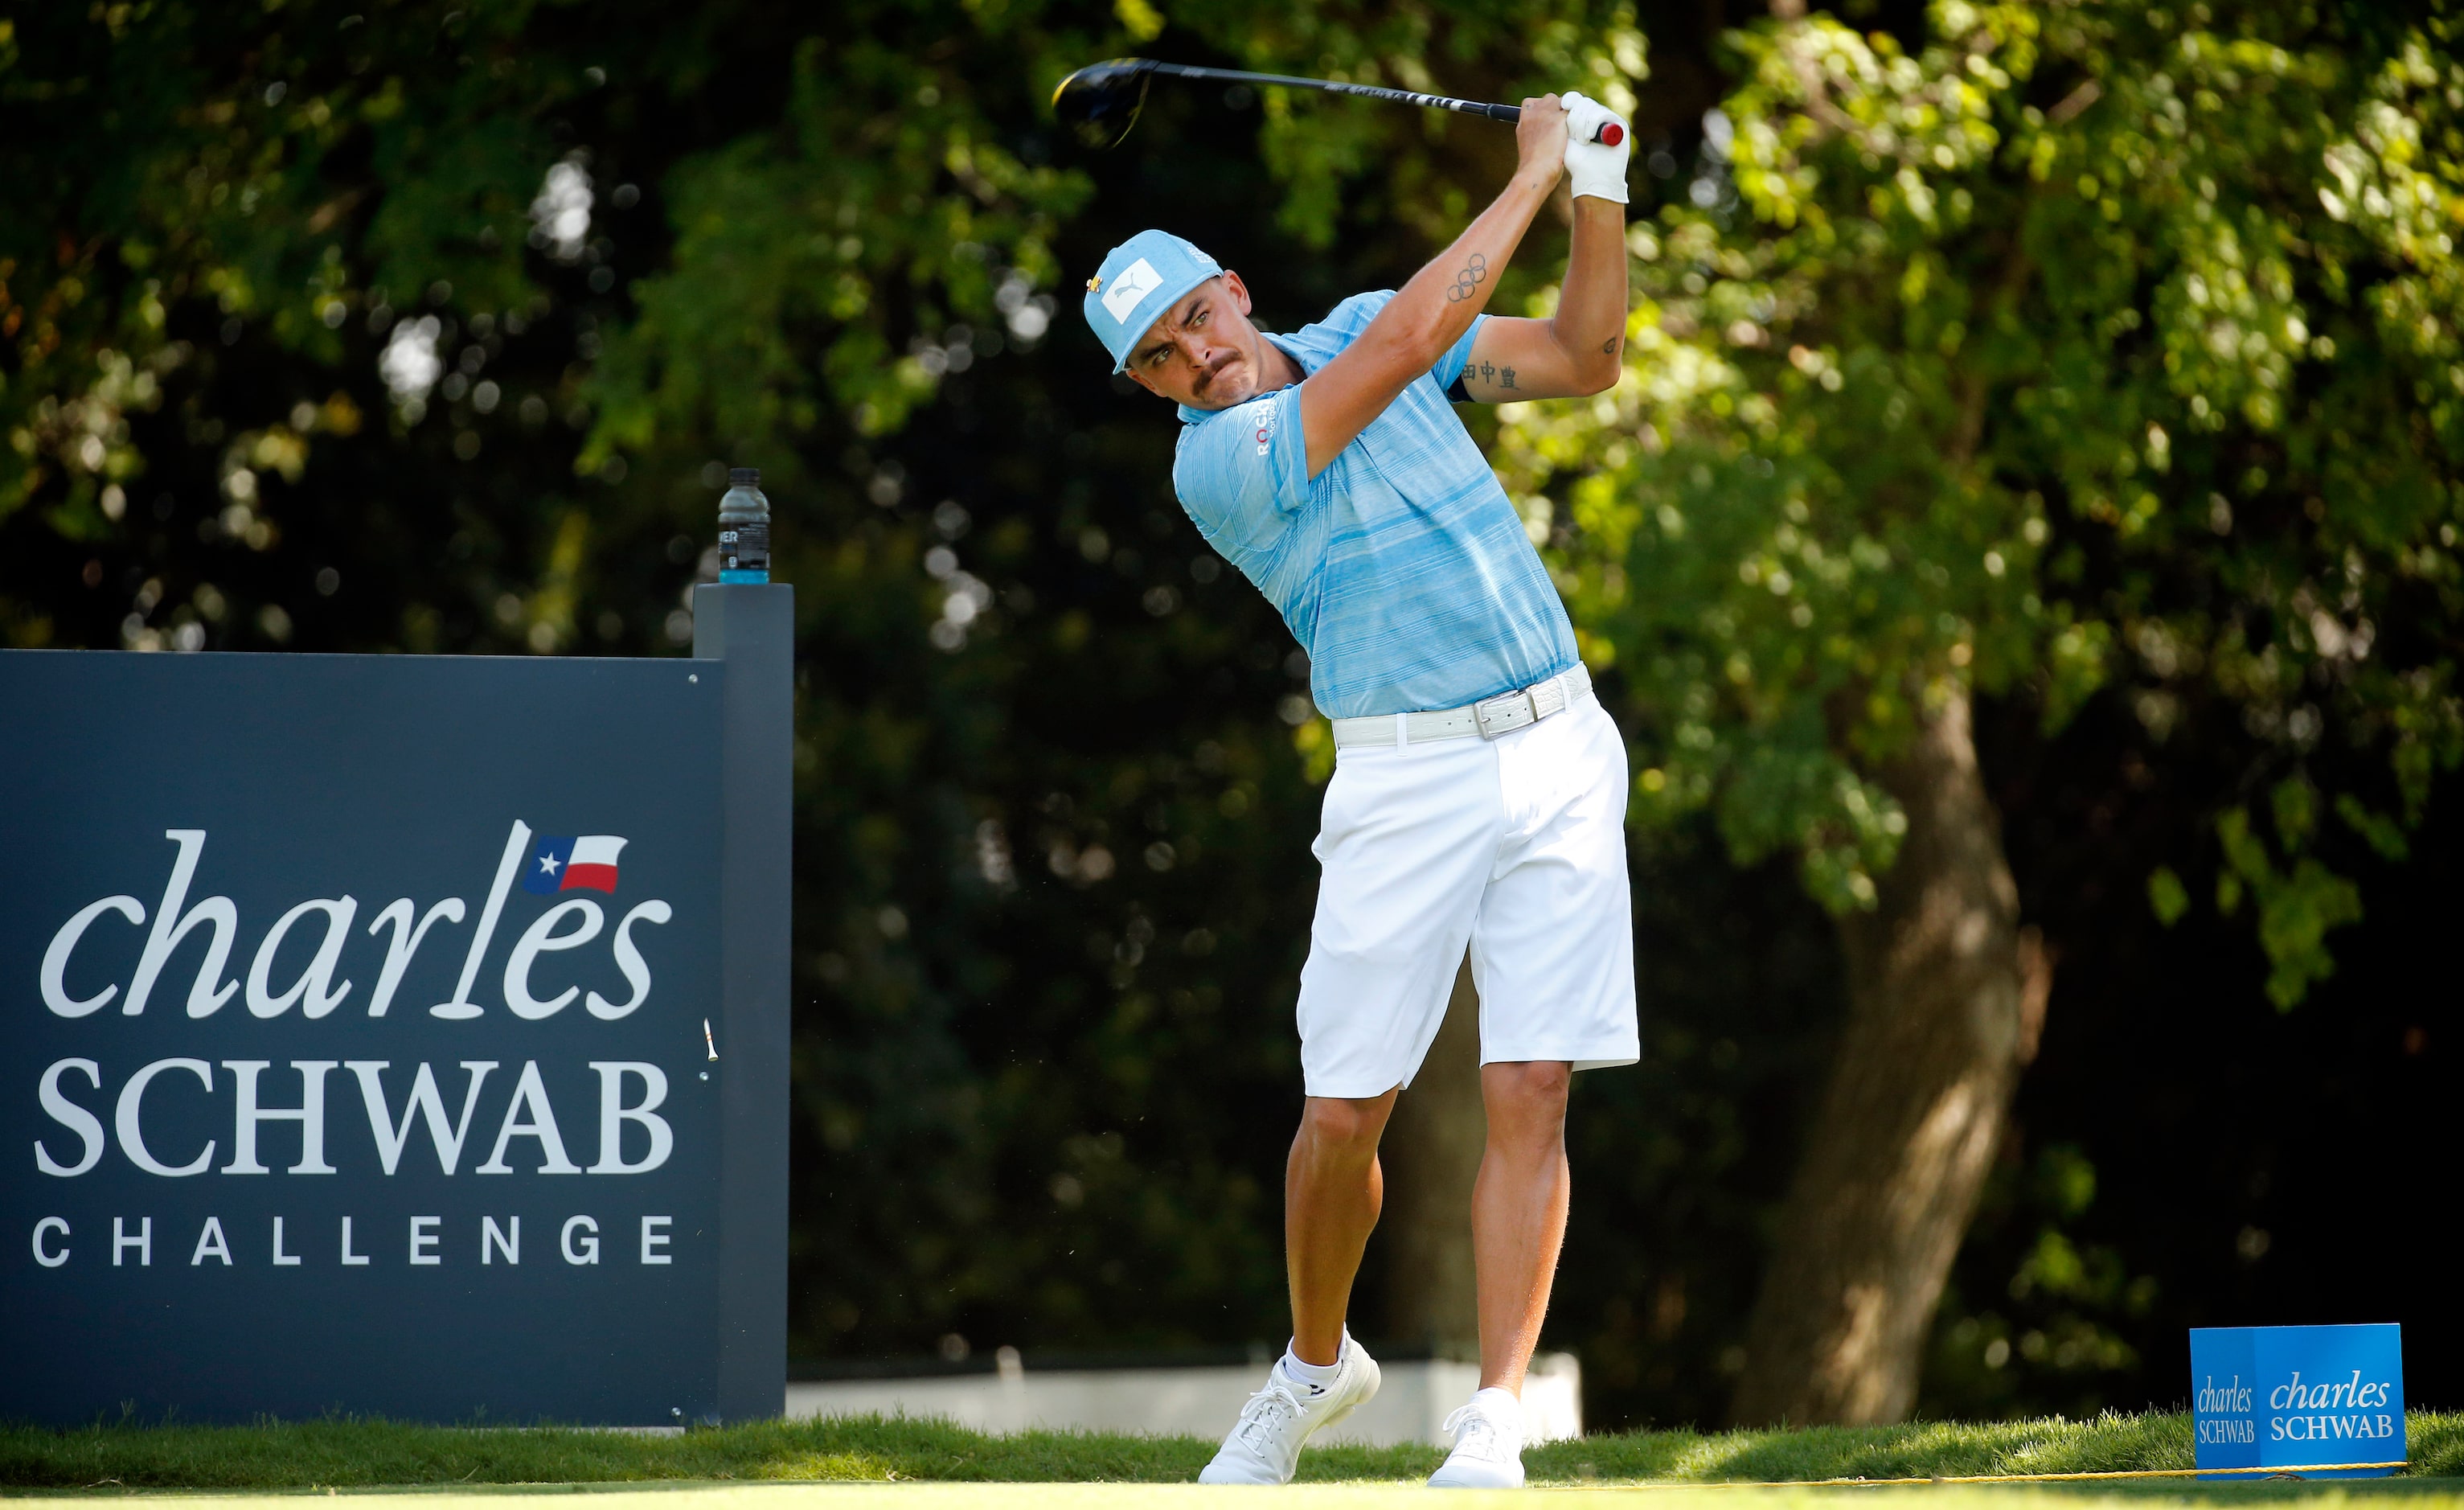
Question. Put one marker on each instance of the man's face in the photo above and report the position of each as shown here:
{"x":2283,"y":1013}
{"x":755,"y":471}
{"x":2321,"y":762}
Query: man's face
{"x":1203,"y":352}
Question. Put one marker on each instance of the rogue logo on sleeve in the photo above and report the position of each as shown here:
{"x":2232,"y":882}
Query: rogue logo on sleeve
{"x":1260,"y":419}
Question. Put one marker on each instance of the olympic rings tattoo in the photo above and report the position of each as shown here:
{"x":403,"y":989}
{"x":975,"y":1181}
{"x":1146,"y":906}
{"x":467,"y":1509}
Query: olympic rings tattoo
{"x":1468,"y":281}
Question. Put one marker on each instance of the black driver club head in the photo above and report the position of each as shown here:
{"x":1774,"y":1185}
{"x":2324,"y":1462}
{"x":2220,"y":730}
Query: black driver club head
{"x":1100,"y":102}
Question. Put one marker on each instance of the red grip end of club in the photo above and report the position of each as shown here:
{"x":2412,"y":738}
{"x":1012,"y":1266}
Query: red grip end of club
{"x":1611,"y":134}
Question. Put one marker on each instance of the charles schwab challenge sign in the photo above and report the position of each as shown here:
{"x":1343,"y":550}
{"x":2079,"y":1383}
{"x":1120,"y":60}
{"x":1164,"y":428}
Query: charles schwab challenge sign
{"x":2298,"y":1397}
{"x":366,"y":1036}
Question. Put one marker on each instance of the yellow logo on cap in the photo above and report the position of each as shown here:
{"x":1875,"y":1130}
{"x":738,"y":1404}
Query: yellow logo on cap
{"x":1095,"y":284}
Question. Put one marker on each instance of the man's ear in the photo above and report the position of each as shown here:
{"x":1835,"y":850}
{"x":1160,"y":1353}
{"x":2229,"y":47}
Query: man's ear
{"x":1239,"y":291}
{"x":1139,"y":378}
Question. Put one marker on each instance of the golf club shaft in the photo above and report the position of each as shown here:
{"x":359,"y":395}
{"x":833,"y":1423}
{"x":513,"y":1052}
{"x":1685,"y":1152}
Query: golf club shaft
{"x":1103,"y":98}
{"x":1401,"y":97}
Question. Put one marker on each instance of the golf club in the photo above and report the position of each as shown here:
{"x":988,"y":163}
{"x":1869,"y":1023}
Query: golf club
{"x":1101,"y":100}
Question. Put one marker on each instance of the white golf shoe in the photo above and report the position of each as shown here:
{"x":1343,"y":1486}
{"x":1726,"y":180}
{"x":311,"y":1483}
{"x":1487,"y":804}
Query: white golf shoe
{"x":1488,"y":1444}
{"x":1265,"y":1446}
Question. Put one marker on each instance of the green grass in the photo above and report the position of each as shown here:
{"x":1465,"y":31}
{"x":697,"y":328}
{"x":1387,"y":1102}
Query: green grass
{"x":363,"y":1453}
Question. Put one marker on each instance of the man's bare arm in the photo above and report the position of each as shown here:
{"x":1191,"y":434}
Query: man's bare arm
{"x":1578,"y":349}
{"x":1431,"y":312}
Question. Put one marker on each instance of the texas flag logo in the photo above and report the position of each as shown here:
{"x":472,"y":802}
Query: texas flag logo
{"x":586,"y":863}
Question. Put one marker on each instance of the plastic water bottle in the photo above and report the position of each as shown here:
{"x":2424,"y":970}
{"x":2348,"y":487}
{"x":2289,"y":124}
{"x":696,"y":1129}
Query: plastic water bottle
{"x":744,"y":528}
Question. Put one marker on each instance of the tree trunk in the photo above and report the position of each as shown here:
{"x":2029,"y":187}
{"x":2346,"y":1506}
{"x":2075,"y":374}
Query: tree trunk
{"x":1431,"y":1154}
{"x":1946,"y":994}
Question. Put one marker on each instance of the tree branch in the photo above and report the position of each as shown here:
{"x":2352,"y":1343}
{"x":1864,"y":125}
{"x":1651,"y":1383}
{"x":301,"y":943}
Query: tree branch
{"x":2067,"y":109}
{"x":1809,"y":76}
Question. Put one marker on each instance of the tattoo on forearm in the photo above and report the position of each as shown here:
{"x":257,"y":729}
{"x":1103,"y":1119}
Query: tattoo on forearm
{"x":1504,"y":377}
{"x":1487,"y":372}
{"x":1468,"y":282}
{"x":1608,"y":347}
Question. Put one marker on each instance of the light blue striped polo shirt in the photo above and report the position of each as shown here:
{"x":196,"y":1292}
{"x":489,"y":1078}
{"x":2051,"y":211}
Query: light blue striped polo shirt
{"x":1402,"y":569}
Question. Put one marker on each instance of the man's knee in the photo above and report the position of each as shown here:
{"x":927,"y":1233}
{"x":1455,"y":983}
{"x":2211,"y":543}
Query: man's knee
{"x":1527,"y":1092}
{"x":1338,"y":1122}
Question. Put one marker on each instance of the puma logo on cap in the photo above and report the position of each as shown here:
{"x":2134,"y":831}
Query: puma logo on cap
{"x":1133,"y":283}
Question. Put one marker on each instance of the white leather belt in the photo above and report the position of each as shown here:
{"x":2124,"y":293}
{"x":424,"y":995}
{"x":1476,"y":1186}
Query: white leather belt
{"x":1502,"y":714}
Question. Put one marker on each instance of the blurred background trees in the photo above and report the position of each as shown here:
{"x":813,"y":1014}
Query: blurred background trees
{"x":381,"y":326}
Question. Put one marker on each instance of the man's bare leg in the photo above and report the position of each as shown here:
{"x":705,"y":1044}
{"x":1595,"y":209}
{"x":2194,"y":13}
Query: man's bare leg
{"x":1332,"y":1189}
{"x":1518,"y":1211}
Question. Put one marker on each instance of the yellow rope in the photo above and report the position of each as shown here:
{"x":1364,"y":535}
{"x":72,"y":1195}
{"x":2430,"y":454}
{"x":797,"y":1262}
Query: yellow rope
{"x":2294,"y":1469}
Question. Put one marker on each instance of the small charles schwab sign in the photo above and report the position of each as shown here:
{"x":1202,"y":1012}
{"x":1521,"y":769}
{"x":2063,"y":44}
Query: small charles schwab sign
{"x":2299,"y":1398}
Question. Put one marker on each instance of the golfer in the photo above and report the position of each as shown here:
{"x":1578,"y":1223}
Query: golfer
{"x":1479,"y":792}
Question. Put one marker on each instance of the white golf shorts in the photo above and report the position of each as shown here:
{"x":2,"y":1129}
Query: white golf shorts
{"x":1514,"y":846}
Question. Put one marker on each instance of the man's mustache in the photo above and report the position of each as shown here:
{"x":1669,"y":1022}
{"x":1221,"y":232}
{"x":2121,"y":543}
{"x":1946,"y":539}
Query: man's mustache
{"x":1206,"y":379}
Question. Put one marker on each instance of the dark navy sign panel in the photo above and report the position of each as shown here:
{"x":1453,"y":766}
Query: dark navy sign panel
{"x":2298,"y":1397}
{"x":315,"y":1099}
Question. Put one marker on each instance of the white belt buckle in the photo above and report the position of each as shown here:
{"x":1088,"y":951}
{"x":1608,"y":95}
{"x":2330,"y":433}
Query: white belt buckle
{"x":1504,"y":714}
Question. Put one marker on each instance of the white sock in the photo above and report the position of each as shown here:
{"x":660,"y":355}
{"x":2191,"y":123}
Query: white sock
{"x":1320,"y":1374}
{"x":1502,"y":1405}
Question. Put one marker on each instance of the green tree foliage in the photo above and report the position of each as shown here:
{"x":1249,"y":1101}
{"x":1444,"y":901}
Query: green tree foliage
{"x":2075,"y":347}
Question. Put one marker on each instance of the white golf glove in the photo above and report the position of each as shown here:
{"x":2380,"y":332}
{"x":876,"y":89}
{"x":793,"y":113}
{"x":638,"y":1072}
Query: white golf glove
{"x":1594,"y":168}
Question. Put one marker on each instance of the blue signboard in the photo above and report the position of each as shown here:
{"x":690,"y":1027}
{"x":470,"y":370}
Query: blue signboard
{"x":2299,"y":1398}
{"x":372,"y":1045}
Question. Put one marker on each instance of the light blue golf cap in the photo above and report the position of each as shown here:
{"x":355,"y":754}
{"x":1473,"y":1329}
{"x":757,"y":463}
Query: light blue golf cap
{"x":1141,"y":278}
